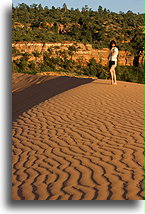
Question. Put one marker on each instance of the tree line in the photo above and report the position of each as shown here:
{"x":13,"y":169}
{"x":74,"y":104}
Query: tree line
{"x":85,"y":25}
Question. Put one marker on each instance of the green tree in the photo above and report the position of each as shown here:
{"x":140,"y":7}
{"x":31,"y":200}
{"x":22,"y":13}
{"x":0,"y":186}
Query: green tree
{"x":100,"y":10}
{"x":64,"y":7}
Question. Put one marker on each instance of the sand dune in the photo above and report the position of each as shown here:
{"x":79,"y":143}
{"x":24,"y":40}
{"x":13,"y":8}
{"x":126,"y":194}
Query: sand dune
{"x":76,"y":139}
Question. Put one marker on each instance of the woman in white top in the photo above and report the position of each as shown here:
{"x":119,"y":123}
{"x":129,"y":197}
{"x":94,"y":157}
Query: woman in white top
{"x":113,"y":61}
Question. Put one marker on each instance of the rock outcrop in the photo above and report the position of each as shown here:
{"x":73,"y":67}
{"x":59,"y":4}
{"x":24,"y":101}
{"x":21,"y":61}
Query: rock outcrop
{"x":82,"y":54}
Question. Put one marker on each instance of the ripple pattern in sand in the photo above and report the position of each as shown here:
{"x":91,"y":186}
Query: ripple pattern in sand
{"x":83,"y":144}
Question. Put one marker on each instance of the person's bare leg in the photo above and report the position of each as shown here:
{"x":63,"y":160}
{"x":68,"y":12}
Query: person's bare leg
{"x":114,"y":73}
{"x":111,"y":72}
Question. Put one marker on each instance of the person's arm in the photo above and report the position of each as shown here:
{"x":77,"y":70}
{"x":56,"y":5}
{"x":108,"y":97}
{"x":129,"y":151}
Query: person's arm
{"x":109,"y":55}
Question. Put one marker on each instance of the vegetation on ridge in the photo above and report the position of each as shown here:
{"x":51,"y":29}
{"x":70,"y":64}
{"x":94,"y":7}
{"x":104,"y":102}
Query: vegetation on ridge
{"x":37,"y":23}
{"x":41,"y":24}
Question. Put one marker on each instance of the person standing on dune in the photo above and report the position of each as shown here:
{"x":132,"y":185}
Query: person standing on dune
{"x":113,"y":61}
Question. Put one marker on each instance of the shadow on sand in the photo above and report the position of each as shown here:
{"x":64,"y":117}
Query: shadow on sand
{"x":37,"y":93}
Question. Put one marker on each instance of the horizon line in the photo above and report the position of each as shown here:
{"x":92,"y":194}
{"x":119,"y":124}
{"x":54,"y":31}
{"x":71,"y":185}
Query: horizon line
{"x":69,"y":8}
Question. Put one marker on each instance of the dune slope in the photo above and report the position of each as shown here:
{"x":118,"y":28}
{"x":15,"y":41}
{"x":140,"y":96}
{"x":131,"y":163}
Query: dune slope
{"x":81,"y":143}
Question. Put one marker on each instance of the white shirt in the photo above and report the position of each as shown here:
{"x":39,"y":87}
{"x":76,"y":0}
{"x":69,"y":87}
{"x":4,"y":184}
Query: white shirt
{"x":113,"y":58}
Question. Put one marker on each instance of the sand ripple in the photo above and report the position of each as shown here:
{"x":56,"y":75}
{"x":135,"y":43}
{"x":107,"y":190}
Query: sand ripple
{"x":83,"y":144}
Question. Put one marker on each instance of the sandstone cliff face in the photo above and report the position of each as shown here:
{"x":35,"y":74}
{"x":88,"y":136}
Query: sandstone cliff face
{"x":62,"y":28}
{"x":82,"y":54}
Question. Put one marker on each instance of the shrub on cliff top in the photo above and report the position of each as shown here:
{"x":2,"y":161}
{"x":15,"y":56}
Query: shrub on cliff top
{"x":130,"y":73}
{"x":94,"y":69}
{"x":36,"y":53}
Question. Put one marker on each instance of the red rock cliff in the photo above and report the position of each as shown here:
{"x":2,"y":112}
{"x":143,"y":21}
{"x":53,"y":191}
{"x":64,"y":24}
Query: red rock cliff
{"x":82,"y":54}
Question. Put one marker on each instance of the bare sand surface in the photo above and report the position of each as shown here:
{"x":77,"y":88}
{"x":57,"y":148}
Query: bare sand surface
{"x":76,"y":139}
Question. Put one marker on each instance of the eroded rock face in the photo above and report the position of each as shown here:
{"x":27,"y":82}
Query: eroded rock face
{"x":82,"y":54}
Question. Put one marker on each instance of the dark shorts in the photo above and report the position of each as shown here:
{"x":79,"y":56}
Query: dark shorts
{"x":111,"y":63}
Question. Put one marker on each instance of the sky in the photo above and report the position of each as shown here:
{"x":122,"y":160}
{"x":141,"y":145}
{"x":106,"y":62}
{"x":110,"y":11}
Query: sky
{"x":113,"y":5}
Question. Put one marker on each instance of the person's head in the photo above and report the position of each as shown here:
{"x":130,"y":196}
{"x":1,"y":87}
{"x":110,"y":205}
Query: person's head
{"x":112,"y":44}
